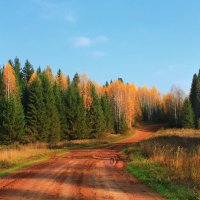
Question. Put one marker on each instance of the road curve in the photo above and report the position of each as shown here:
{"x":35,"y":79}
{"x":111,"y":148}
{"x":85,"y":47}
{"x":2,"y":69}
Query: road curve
{"x":81,"y":175}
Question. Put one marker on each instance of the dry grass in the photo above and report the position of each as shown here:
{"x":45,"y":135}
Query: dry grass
{"x":10,"y":155}
{"x":178,"y":150}
{"x":179,"y":132}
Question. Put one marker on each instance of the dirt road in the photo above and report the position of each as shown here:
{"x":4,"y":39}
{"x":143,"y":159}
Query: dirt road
{"x":82,"y":174}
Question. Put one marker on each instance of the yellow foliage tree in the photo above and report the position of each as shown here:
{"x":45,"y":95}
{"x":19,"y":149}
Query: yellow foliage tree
{"x":9,"y":80}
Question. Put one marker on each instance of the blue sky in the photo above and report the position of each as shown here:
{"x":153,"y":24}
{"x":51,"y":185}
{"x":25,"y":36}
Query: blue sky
{"x":148,"y":42}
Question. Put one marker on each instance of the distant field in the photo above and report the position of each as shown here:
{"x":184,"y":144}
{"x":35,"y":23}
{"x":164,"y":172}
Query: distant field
{"x":170,"y":158}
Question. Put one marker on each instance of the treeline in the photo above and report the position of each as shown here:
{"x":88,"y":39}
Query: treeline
{"x":175,"y":109}
{"x":40,"y":106}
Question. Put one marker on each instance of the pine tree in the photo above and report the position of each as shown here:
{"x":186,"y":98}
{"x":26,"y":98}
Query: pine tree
{"x":187,"y":115}
{"x":60,"y":95}
{"x":36,"y":113}
{"x":39,"y":71}
{"x":75,"y":114}
{"x":193,"y":91}
{"x":12,"y":121}
{"x":109,"y":120}
{"x":197,"y":104}
{"x":52,"y":121}
{"x":27,"y":71}
{"x":17,"y":68}
{"x":123,"y":126}
{"x":2,"y":96}
{"x":96,"y":116}
{"x":76,"y":80}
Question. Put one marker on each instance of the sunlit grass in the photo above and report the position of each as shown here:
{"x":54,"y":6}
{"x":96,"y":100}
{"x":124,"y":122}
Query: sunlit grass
{"x":171,"y":160}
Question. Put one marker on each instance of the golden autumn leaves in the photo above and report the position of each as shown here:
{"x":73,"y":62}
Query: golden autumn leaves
{"x":9,"y":80}
{"x":125,"y":99}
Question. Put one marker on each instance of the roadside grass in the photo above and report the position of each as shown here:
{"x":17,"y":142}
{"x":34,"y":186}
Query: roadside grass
{"x":17,"y":156}
{"x":95,"y":143}
{"x":168,"y":162}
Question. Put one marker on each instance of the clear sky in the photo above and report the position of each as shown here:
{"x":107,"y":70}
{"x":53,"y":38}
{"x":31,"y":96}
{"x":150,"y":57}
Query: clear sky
{"x":148,"y":42}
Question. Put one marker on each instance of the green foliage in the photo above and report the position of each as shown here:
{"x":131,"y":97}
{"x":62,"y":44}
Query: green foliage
{"x":36,"y":113}
{"x":109,"y":120}
{"x":193,"y":91}
{"x":60,"y":96}
{"x":195,"y":99}
{"x":122,"y":126}
{"x":187,"y":115}
{"x":51,"y":122}
{"x":76,"y":80}
{"x":157,"y":177}
{"x":95,"y":114}
{"x":27,"y":71}
{"x":12,"y":120}
{"x":197,"y":103}
{"x":75,"y":114}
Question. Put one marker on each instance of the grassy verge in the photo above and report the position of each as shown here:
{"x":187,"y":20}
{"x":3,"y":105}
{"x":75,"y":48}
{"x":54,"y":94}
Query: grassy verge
{"x":95,"y":143}
{"x":26,"y":164}
{"x":16,"y":157}
{"x":168,"y":163}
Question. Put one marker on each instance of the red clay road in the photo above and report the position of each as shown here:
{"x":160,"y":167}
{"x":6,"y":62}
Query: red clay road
{"x":82,"y":175}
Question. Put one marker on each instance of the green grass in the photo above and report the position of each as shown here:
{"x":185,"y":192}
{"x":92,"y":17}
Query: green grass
{"x":98,"y":143}
{"x":21,"y":163}
{"x":157,"y":177}
{"x":20,"y":166}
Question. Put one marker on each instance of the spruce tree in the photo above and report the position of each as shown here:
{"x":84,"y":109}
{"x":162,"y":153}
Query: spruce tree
{"x":17,"y":68}
{"x":75,"y":114}
{"x":193,"y":91}
{"x":60,"y":95}
{"x":109,"y":120}
{"x":2,"y":95}
{"x":52,"y":122}
{"x":36,"y":113}
{"x":123,"y":126}
{"x":187,"y":115}
{"x":12,"y":121}
{"x":76,"y":80}
{"x":197,"y":104}
{"x":95,"y":116}
{"x":27,"y":71}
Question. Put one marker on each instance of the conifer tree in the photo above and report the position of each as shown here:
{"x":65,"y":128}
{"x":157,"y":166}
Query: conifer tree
{"x":123,"y":126}
{"x":36,"y":113}
{"x":76,"y":80}
{"x":96,"y":116}
{"x":27,"y":71}
{"x":39,"y":71}
{"x":75,"y":114}
{"x":60,"y":95}
{"x":187,"y":115}
{"x":109,"y":120}
{"x":2,"y":96}
{"x":12,"y":121}
{"x":52,"y":121}
{"x":197,"y":104}
{"x":193,"y":91}
{"x":17,"y":68}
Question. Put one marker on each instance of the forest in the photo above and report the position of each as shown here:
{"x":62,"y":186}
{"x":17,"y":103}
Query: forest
{"x":36,"y":105}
